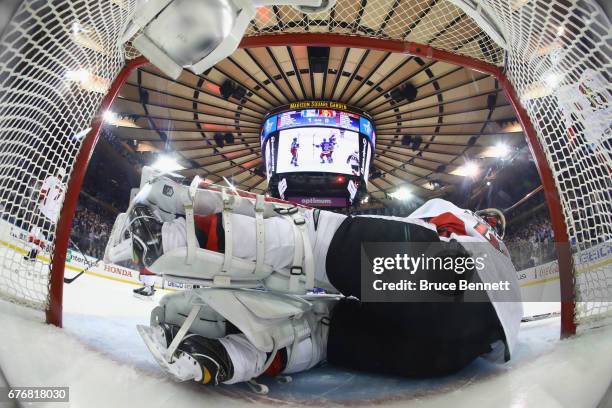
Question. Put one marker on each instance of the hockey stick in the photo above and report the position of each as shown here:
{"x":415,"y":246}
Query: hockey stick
{"x":89,"y":265}
{"x":70,"y":280}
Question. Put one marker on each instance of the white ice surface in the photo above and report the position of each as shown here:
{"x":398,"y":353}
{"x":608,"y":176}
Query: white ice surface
{"x":99,"y":355}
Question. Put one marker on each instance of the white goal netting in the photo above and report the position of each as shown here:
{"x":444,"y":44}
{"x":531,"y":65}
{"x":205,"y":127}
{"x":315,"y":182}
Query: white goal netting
{"x":59,"y":57}
{"x":57,"y":61}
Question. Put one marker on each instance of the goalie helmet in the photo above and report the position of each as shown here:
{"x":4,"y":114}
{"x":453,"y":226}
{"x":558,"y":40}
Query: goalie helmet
{"x":495,"y":218}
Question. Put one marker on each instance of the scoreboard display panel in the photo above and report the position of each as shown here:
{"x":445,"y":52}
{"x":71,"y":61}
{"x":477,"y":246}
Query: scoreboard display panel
{"x":318,"y":139}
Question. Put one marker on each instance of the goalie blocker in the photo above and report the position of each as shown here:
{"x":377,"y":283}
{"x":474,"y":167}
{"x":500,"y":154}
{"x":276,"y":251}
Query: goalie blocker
{"x":183,"y":233}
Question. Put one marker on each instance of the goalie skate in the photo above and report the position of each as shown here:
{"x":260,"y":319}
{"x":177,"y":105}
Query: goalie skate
{"x":146,"y":293}
{"x":180,"y":369}
{"x":268,"y":322}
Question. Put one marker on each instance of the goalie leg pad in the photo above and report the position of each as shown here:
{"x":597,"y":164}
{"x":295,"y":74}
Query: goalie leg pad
{"x":174,"y":308}
{"x":267,"y":323}
{"x":191,"y":264}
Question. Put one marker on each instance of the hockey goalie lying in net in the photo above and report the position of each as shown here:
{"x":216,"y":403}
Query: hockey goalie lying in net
{"x":255,"y":263}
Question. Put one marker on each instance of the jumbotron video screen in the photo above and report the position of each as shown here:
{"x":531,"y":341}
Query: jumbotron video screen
{"x":318,"y":149}
{"x":318,"y":140}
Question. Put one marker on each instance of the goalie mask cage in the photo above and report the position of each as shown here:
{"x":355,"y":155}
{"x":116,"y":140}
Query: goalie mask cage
{"x":61,"y":67}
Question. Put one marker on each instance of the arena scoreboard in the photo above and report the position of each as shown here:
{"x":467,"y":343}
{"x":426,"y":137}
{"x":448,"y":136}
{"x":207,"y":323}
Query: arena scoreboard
{"x":316,"y":149}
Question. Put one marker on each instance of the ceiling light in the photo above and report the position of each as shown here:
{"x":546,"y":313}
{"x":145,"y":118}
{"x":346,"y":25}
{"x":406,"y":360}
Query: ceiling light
{"x":469,"y":169}
{"x":109,"y":116}
{"x":402,"y":194}
{"x":500,"y":150}
{"x":167,"y":164}
{"x":146,"y":147}
{"x":511,"y":127}
{"x":87,"y":81}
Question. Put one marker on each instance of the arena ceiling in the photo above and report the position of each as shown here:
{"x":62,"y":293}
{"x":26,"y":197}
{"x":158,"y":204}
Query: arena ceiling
{"x":458,"y":115}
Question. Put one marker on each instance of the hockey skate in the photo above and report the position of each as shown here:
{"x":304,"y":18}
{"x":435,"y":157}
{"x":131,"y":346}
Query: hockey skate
{"x":162,"y":201}
{"x":145,"y":292}
{"x":197,"y":358}
{"x":190,"y":332}
{"x":31,"y":256}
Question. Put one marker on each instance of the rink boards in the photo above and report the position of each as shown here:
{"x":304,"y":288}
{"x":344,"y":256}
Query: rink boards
{"x":14,"y":243}
{"x":538,"y":284}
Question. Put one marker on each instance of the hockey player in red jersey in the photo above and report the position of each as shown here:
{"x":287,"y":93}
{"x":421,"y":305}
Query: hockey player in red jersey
{"x":230,"y":241}
{"x":50,"y":198}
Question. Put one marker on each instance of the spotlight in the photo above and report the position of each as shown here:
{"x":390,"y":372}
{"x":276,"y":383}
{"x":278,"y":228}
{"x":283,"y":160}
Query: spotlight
{"x":470,"y":169}
{"x":219,"y":139}
{"x":227,"y":88}
{"x":87,"y":81}
{"x":491,"y":101}
{"x":340,"y":179}
{"x":406,"y":91}
{"x":239,"y":92}
{"x":167,"y":164}
{"x":396,"y":95}
{"x":109,"y":116}
{"x":501,"y":150}
{"x":416,"y":143}
{"x":402,"y":194}
{"x":318,"y":59}
{"x":409,"y":92}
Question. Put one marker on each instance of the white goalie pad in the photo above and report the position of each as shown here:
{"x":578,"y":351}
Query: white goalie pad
{"x":270,"y":322}
{"x":119,"y":247}
{"x":175,"y":307}
{"x":267,"y":319}
{"x":192,"y":264}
